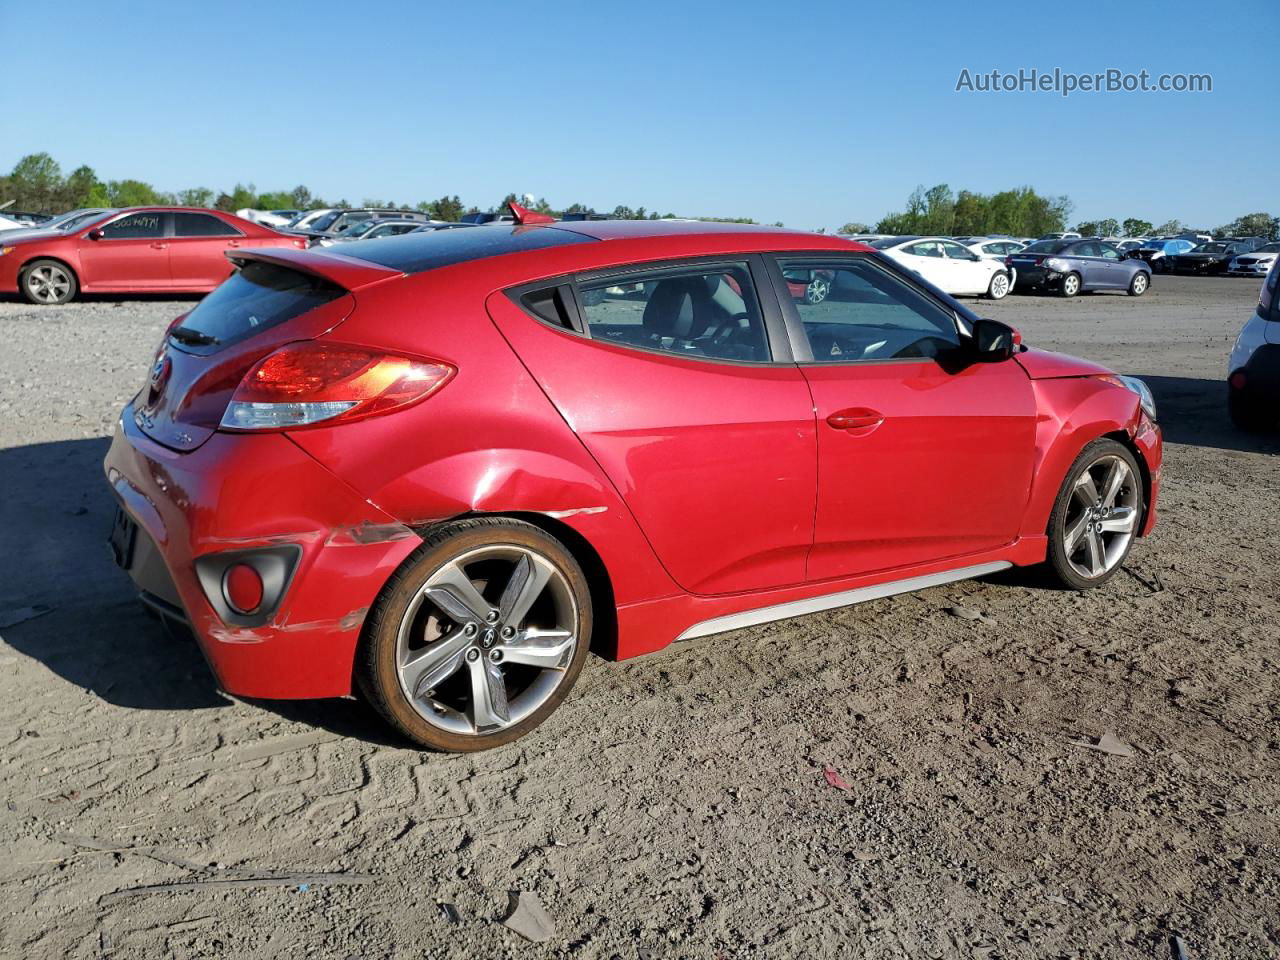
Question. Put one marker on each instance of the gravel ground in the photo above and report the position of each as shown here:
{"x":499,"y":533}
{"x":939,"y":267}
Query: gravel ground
{"x":676,"y":806}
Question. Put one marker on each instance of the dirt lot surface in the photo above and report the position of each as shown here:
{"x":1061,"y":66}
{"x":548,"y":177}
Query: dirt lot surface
{"x":676,"y":806}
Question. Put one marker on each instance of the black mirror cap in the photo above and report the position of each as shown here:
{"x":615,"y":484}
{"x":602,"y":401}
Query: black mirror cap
{"x":994,"y":341}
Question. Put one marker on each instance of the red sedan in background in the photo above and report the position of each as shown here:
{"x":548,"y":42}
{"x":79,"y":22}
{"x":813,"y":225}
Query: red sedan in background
{"x":136,"y":250}
{"x":439,"y":467}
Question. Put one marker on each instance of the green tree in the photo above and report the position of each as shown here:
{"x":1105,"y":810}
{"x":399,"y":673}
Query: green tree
{"x":1253,"y":225}
{"x":196,"y":197}
{"x":240,"y":197}
{"x":35,"y":184}
{"x":849,"y":229}
{"x":134,"y":193}
{"x":82,"y":188}
{"x":1169,"y":228}
{"x":1134,"y":227}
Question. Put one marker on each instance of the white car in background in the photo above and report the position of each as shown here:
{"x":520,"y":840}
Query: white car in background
{"x":949,"y":266}
{"x":1253,"y":370}
{"x":996,"y":248}
{"x":268,"y":218}
{"x":9,"y":224}
{"x":1255,"y":264}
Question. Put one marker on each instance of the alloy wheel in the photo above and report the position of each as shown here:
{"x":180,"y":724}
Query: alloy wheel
{"x":1139,"y":283}
{"x":999,"y":286}
{"x":487,"y":639}
{"x":1101,"y":517}
{"x":817,"y":290}
{"x":1070,"y":285}
{"x":48,"y":283}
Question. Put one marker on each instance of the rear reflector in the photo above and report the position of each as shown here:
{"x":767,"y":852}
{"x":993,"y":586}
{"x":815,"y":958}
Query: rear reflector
{"x":242,"y":587}
{"x":313,"y":382}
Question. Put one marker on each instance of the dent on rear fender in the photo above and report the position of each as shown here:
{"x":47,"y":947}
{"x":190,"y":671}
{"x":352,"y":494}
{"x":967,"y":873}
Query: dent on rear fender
{"x":344,"y":624}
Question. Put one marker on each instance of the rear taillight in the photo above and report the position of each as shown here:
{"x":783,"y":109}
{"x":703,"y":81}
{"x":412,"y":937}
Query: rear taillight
{"x":313,"y":382}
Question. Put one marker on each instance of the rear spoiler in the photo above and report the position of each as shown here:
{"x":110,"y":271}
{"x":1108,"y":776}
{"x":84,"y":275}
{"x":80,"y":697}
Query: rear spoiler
{"x":349,"y":273}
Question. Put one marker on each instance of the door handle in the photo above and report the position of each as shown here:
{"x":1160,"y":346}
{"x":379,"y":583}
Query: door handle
{"x":233,"y":243}
{"x":159,"y":246}
{"x":855,"y":418}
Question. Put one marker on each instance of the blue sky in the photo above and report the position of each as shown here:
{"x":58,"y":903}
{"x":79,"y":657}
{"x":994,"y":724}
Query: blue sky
{"x":813,"y":114}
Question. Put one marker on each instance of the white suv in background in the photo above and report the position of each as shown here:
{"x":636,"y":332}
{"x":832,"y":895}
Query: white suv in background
{"x":1253,"y":372}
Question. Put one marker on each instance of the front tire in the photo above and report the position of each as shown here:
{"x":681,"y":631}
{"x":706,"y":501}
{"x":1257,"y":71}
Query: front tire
{"x":1096,"y":516}
{"x":47,"y":283}
{"x":1139,"y":284}
{"x":1000,"y":286}
{"x":478,"y":637}
{"x":1070,"y":285}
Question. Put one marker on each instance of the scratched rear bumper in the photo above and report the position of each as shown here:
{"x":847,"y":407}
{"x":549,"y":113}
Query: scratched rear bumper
{"x":238,"y":492}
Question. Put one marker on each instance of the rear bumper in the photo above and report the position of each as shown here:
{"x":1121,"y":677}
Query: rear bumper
{"x":241,"y":493}
{"x":1261,"y":377}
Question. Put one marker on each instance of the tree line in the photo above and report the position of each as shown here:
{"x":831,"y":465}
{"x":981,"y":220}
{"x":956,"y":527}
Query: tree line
{"x":37,"y":185}
{"x":1024,"y":213}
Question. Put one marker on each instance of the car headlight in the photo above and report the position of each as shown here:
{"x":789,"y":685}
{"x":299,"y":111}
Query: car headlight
{"x":1145,"y":397}
{"x":1061,"y":266}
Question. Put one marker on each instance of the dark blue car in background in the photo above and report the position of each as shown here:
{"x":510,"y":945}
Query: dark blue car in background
{"x":1069,"y":267}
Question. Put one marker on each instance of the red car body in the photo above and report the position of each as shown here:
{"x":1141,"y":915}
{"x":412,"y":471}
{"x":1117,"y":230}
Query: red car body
{"x":143,"y":250}
{"x":695,"y":493}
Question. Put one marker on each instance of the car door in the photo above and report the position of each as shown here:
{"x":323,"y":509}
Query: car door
{"x":1086,"y":260}
{"x":129,"y":253}
{"x":969,"y":274}
{"x":1115,"y":273}
{"x":197,"y":250}
{"x":691,"y":407}
{"x":922,"y":456}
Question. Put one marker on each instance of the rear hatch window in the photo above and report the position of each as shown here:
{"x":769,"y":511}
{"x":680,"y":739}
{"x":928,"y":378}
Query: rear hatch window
{"x":255,"y":298}
{"x":209,"y":350}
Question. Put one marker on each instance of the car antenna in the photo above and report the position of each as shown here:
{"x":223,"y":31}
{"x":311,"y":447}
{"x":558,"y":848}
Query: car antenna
{"x":524,"y":216}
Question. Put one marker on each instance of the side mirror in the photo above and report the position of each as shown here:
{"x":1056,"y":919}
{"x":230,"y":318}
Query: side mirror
{"x":994,"y":341}
{"x":96,"y":234}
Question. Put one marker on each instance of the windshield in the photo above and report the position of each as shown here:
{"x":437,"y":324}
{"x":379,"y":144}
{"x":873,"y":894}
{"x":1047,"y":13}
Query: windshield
{"x":1269,"y":248}
{"x":323,"y":223}
{"x":887,"y":242}
{"x":1046,"y":246}
{"x":360,"y":228}
{"x":1211,"y":248}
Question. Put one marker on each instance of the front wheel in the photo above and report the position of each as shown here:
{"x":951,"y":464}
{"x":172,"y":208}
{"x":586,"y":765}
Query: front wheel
{"x":47,"y":282}
{"x":1096,"y":516}
{"x":479,"y":637}
{"x":1138,"y":285}
{"x":1070,"y":285}
{"x":999,"y":287}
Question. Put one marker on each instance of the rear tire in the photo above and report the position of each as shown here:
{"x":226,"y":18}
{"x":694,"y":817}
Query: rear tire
{"x":1139,"y":284}
{"x":1000,"y":286}
{"x":478,"y":637}
{"x":47,"y":283}
{"x":1070,"y":285}
{"x":1092,"y":527}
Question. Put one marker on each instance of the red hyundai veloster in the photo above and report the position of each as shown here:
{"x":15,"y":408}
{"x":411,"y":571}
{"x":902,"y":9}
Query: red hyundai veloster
{"x":438,"y":468}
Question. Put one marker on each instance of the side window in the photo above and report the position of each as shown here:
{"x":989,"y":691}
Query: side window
{"x":136,"y":226}
{"x":1108,"y":252}
{"x":1087,"y":249}
{"x":868,"y":314}
{"x":699,"y":312}
{"x":955,"y":251}
{"x":927,"y":248}
{"x":202,"y":225}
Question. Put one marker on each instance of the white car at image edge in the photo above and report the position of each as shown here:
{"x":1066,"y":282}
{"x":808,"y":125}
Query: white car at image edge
{"x":949,"y":266}
{"x":1255,"y":264}
{"x":1253,"y":371}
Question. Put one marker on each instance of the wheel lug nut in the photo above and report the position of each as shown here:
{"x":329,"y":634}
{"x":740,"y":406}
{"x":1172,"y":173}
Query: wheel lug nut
{"x":492,"y":616}
{"x":470,"y":630}
{"x":508,"y":633}
{"x":495,"y":656}
{"x":473,"y":655}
